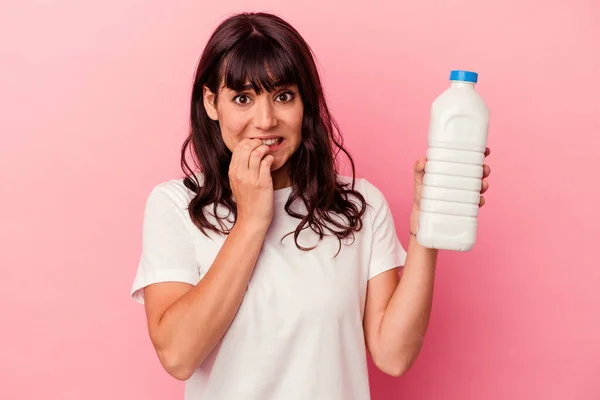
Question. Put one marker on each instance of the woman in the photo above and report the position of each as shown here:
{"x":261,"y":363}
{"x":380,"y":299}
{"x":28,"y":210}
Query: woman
{"x":265,"y":272}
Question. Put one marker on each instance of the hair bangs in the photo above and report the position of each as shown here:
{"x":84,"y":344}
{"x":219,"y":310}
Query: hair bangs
{"x":260,"y":64}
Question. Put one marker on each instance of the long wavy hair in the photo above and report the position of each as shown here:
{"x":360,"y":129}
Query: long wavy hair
{"x":240,"y":51}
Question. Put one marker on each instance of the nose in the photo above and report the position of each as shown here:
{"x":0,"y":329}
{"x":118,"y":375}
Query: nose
{"x":264,"y":117}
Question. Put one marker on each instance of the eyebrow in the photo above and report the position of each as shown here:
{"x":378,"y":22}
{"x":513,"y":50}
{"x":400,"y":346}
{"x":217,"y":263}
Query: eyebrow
{"x":278,"y":86}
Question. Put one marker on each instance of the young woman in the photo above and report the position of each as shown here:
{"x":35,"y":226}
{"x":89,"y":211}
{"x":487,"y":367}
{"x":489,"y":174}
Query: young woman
{"x":264,"y":272}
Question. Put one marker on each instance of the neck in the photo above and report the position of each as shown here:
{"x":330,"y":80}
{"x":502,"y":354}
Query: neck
{"x":462,"y":84}
{"x":281,"y":178}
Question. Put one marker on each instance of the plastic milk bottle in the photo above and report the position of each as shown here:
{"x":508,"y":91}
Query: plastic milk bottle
{"x":452,"y":181}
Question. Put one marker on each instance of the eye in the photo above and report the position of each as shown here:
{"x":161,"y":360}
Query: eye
{"x":285,"y":97}
{"x":241,"y":99}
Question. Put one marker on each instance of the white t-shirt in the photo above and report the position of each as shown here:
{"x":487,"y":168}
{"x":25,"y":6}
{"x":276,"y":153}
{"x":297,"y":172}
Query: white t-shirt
{"x":298,"y":334}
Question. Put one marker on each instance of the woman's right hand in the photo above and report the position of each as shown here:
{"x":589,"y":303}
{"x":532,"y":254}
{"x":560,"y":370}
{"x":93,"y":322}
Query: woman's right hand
{"x":251,"y":182}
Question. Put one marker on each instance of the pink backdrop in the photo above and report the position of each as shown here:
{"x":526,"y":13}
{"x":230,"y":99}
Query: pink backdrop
{"x":94,"y":109}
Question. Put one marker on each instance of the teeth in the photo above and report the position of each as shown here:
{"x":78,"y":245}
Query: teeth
{"x":271,"y":142}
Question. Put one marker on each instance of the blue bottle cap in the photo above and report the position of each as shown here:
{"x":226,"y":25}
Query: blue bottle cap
{"x":465,"y":76}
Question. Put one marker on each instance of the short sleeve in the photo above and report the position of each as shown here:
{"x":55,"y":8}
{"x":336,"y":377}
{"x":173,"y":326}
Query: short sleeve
{"x":168,"y":253}
{"x":386,"y":250}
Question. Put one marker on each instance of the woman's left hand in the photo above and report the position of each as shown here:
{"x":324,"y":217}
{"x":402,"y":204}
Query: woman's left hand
{"x":419,"y":172}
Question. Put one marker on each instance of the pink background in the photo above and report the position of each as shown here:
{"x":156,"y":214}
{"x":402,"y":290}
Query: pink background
{"x":94,"y":110}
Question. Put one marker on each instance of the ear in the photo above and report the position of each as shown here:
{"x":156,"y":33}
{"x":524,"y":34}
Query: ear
{"x":210,"y":105}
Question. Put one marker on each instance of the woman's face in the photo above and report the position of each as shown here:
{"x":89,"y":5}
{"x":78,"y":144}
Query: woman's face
{"x":274,"y":117}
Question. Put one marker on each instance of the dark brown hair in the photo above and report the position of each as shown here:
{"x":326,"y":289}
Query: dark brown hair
{"x":242,"y":49}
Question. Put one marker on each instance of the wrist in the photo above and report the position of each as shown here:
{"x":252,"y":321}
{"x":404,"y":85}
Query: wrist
{"x":414,"y":219}
{"x":414,"y":228}
{"x":252,"y":226}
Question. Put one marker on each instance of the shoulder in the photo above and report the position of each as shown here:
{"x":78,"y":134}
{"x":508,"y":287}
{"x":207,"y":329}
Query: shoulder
{"x":171,"y":193}
{"x":377,"y":212}
{"x":372,"y":194}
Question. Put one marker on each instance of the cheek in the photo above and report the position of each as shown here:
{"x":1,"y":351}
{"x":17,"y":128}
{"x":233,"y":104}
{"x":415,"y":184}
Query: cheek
{"x":298,"y":119}
{"x":232,"y":129}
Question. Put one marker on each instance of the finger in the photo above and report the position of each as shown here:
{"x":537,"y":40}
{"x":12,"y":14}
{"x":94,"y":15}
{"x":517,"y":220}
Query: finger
{"x":241,"y":155}
{"x":487,"y":152}
{"x":481,"y":201}
{"x":237,"y":151}
{"x":256,"y":156}
{"x":486,"y":171}
{"x":419,"y":165}
{"x":265,"y":169}
{"x":484,"y":187}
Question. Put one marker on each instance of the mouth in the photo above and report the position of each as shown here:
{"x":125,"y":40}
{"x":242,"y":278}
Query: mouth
{"x":271,"y":142}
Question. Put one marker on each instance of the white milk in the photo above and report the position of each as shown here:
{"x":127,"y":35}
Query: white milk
{"x":457,"y":140}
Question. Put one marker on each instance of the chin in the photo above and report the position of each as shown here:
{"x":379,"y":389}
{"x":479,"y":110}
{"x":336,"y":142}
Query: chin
{"x":278,"y":165}
{"x":275,"y":166}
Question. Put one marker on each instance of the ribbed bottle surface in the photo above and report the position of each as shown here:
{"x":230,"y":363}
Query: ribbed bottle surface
{"x":455,"y":156}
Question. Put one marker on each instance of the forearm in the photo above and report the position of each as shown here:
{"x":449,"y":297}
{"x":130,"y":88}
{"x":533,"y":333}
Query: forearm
{"x":191,"y":327}
{"x":406,"y":317}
